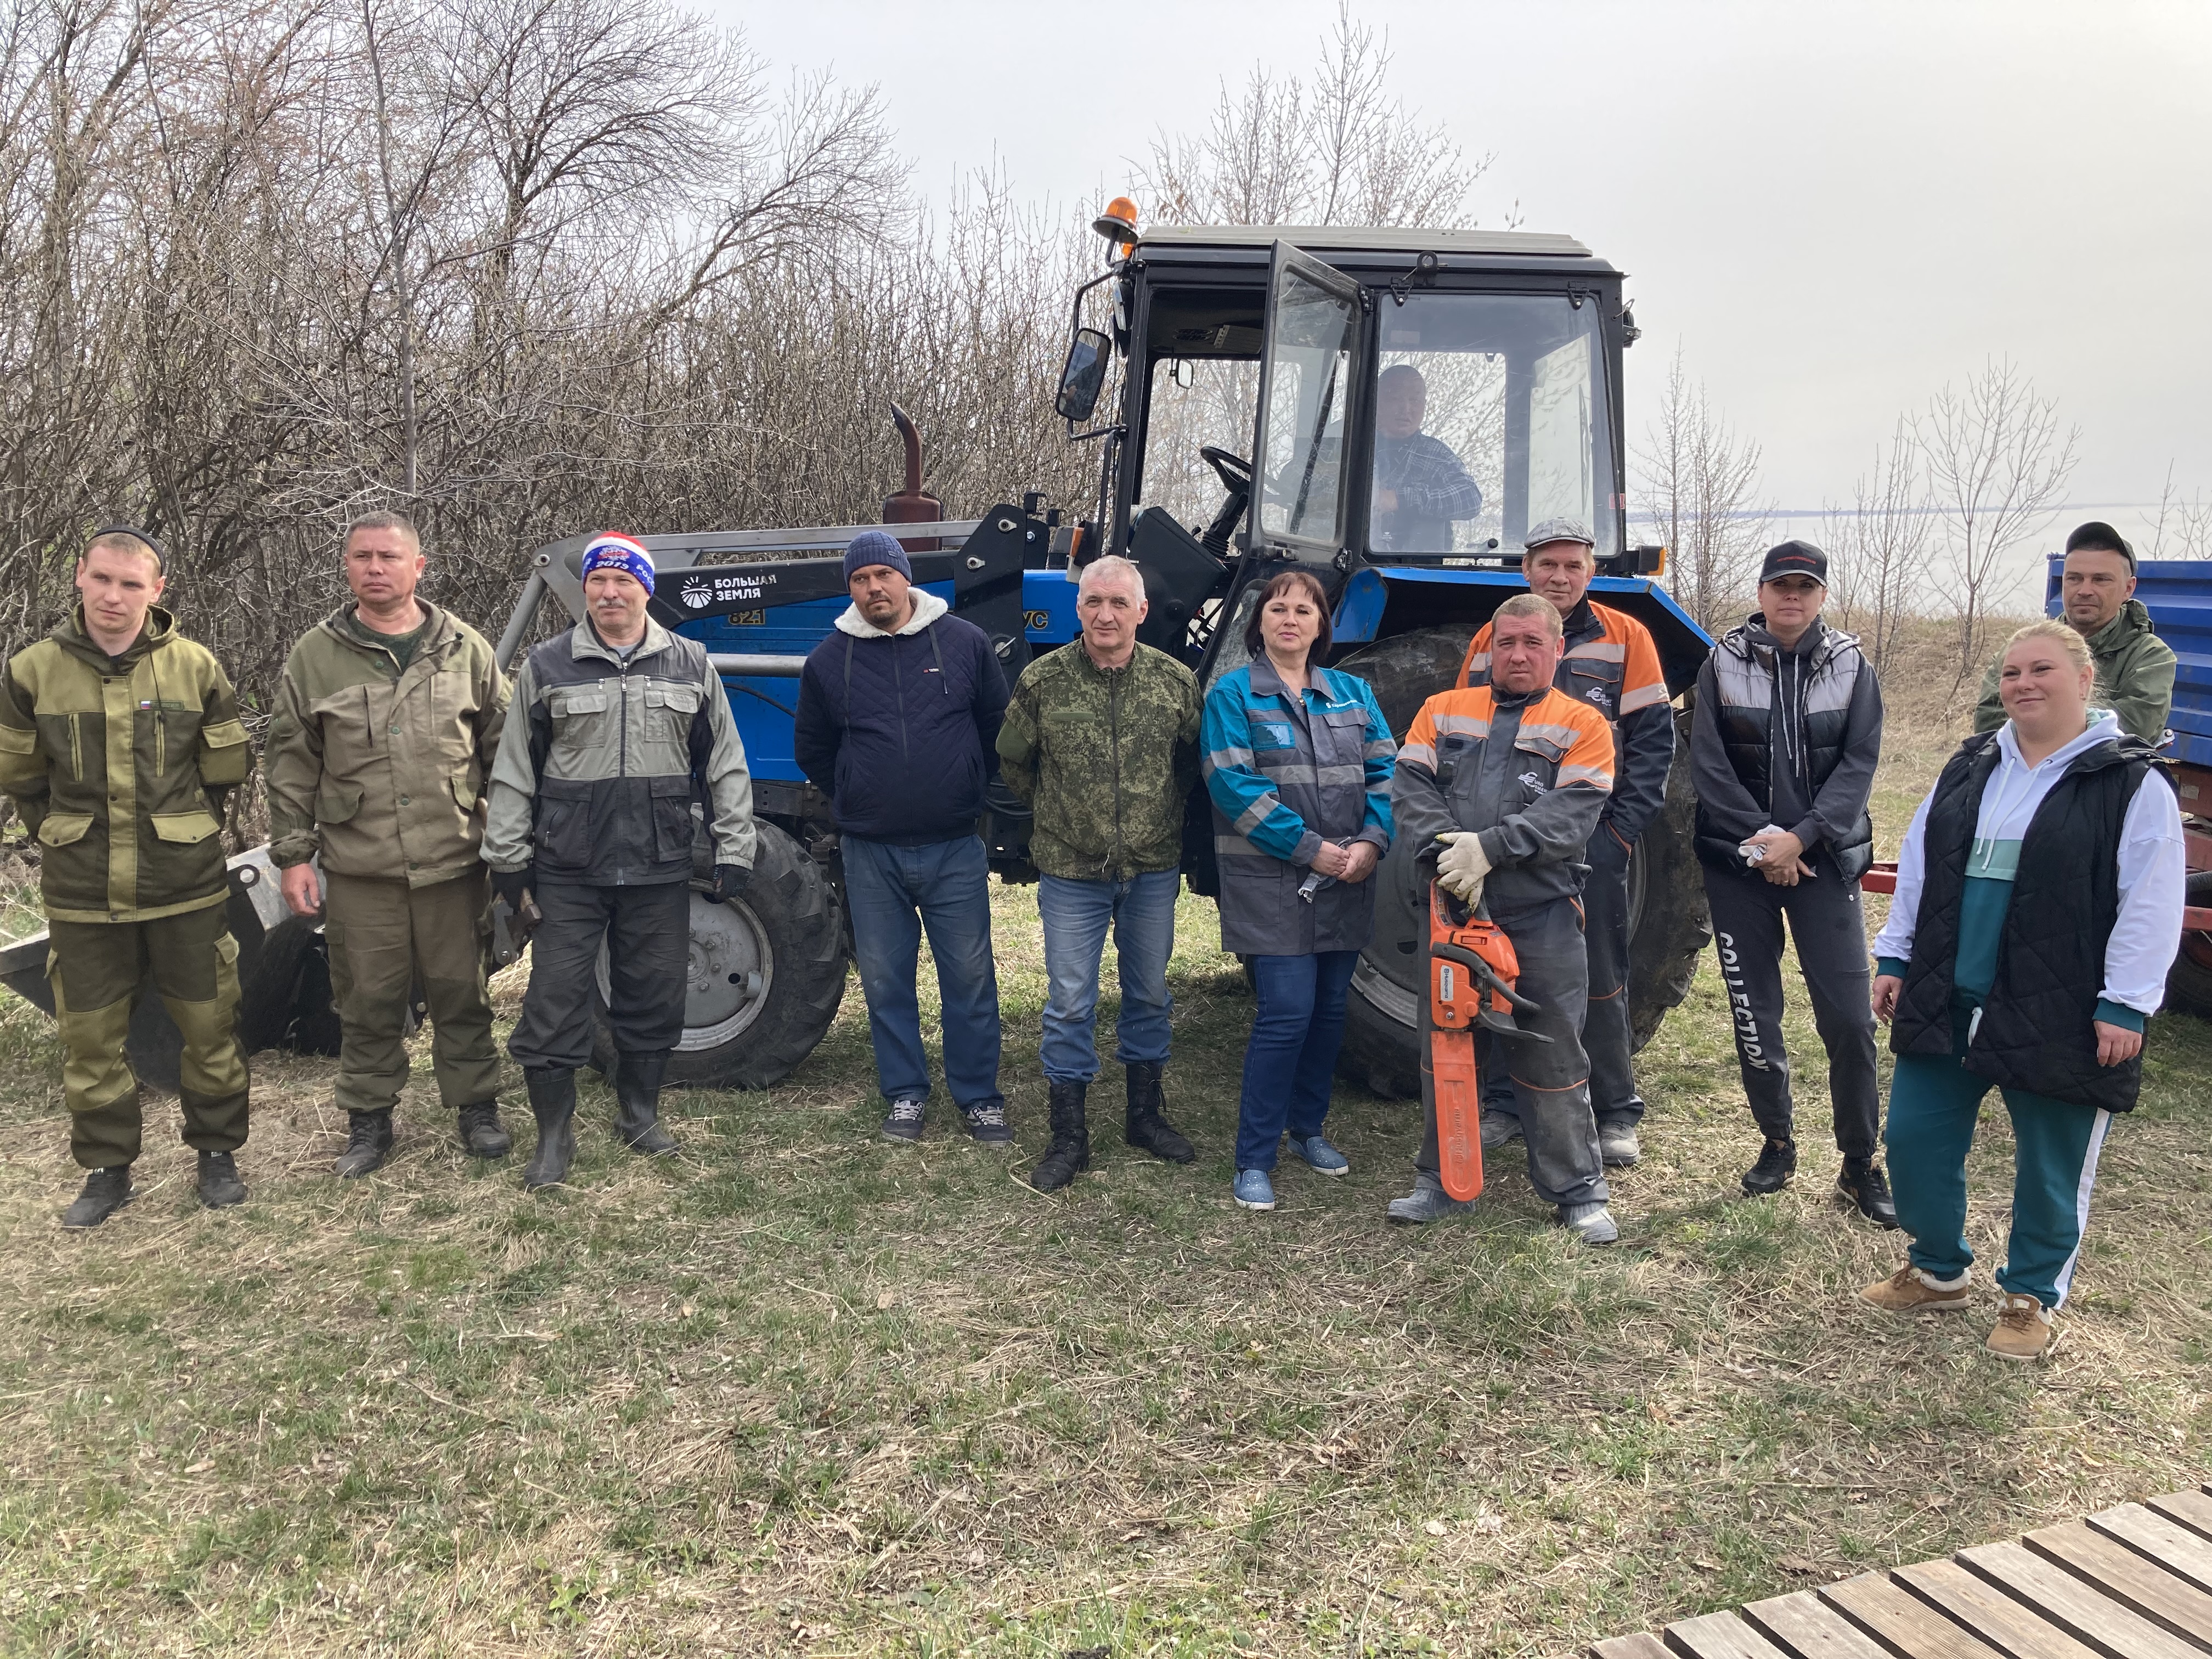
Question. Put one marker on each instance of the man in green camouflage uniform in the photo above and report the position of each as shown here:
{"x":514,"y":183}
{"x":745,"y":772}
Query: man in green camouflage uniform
{"x":386,"y":723}
{"x":1102,"y":741}
{"x":120,"y":743}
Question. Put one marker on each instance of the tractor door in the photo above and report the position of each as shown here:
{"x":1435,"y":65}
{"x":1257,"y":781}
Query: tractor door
{"x":1312,"y":360}
{"x":1310,"y":363}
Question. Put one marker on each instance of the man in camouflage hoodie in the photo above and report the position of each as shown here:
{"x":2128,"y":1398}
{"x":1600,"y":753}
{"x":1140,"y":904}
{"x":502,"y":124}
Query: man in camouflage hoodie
{"x":1102,"y":741}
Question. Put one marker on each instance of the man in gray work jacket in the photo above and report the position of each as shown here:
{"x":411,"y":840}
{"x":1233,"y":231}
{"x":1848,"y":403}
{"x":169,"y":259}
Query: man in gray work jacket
{"x":615,"y":728}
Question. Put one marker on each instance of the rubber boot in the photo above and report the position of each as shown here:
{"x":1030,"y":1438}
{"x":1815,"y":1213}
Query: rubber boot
{"x":1145,"y":1129}
{"x":553,"y":1104}
{"x":105,"y":1191}
{"x":1069,"y":1154}
{"x":637,"y":1087}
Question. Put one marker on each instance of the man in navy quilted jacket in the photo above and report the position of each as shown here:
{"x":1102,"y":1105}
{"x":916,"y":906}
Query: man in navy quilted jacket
{"x":898,"y":722}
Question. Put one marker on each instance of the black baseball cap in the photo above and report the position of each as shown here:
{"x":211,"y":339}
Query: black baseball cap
{"x":1795,"y":558}
{"x":2097,"y":537}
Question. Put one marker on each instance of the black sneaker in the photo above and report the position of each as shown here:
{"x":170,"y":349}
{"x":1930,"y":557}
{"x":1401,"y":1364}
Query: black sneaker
{"x":1868,"y":1188}
{"x":1778,"y":1162}
{"x":903,"y":1122}
{"x":105,"y":1191}
{"x":219,"y":1185}
{"x":986,"y":1121}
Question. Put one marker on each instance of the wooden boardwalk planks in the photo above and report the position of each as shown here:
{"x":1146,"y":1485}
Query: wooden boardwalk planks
{"x":2132,"y":1582}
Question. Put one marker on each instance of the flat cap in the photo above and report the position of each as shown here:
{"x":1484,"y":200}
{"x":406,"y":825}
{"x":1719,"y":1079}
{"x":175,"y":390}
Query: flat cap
{"x":1558,"y":530}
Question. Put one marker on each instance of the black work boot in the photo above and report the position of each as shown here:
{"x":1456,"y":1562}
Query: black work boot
{"x":105,"y":1191}
{"x":1778,"y":1162}
{"x":482,"y":1132}
{"x":1868,"y":1188}
{"x":220,"y":1187}
{"x":637,"y":1087}
{"x":1145,"y":1129}
{"x":553,"y":1104}
{"x":369,"y":1143}
{"x":1069,"y":1154}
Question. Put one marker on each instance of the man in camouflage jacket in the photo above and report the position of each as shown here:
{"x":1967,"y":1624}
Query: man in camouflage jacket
{"x":387,"y":720}
{"x":120,"y":743}
{"x":1102,"y":741}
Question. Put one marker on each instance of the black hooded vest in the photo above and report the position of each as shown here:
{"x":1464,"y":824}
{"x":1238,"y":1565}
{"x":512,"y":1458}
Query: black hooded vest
{"x":1746,"y":676}
{"x":2035,"y":1032}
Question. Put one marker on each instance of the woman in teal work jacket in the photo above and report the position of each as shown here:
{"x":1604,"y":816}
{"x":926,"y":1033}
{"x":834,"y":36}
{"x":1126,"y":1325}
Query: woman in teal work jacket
{"x":1297,"y":761}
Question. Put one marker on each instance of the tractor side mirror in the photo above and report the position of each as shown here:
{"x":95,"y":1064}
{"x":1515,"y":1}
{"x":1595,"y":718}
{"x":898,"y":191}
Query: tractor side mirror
{"x":1083,"y":375}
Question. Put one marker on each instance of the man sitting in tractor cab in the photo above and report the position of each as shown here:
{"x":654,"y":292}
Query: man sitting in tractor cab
{"x":1420,"y":484}
{"x":1498,"y":788}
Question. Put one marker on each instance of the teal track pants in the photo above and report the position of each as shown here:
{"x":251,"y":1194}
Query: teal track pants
{"x":1934,"y":1105}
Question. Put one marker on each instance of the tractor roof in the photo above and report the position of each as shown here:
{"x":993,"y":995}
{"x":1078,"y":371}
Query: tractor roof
{"x":1370,"y":247}
{"x":1390,"y":240}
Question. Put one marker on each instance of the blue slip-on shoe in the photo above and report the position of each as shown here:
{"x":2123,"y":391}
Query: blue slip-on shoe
{"x":1323,"y":1157}
{"x":1254,"y":1190}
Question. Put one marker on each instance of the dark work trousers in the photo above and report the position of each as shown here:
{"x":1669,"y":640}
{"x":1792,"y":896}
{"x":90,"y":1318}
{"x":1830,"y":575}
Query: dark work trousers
{"x":647,"y":934}
{"x":1605,"y":1035}
{"x":1550,"y":1081}
{"x":1830,"y":934}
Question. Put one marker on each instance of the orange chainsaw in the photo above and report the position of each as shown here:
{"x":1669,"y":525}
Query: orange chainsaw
{"x":1471,"y":972}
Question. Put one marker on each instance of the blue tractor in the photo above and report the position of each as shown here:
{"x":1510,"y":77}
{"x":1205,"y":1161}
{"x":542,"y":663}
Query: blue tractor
{"x":1259,"y":398}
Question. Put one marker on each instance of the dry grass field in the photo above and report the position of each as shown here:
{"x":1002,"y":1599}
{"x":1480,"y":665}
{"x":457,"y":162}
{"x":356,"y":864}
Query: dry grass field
{"x":801,"y":1391}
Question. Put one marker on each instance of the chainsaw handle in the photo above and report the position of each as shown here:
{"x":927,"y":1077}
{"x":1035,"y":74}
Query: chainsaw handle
{"x":1485,"y":976}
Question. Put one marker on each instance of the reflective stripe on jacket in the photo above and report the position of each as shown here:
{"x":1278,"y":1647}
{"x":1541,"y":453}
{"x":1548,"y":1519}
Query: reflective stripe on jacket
{"x":382,"y":770}
{"x":1286,"y":771}
{"x":602,"y":759}
{"x":122,"y":767}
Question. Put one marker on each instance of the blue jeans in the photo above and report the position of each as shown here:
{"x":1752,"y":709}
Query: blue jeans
{"x":892,"y":893}
{"x":1075,"y":914}
{"x":1291,"y":1062}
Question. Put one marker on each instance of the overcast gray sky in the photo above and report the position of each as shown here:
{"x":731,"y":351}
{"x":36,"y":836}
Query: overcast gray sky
{"x":1832,"y":208}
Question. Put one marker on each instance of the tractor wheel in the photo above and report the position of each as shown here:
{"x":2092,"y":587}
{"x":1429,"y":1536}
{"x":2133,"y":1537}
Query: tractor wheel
{"x":2189,"y":985}
{"x":1667,"y":920}
{"x":767,"y":974}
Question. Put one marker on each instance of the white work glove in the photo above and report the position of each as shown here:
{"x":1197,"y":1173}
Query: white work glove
{"x":1461,"y":866}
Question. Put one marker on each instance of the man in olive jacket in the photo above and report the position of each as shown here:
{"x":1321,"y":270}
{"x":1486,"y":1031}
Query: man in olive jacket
{"x":387,"y":718}
{"x":1102,"y":739}
{"x":2135,"y":667}
{"x":119,"y":745}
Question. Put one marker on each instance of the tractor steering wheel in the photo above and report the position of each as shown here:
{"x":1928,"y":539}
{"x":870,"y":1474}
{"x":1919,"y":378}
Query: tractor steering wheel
{"x":1234,"y":471}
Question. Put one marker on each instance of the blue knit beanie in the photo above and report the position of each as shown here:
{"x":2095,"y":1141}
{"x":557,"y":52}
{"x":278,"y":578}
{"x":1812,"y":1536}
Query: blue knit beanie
{"x":874,"y":547}
{"x":611,"y":549}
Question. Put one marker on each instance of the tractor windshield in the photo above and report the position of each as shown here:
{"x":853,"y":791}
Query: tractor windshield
{"x":1490,"y":416}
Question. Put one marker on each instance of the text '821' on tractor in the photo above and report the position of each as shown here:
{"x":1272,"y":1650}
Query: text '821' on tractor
{"x":1390,"y":410}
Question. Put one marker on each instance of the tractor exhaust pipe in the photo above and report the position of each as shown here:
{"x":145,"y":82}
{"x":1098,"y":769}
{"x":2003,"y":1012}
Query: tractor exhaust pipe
{"x":913,"y":505}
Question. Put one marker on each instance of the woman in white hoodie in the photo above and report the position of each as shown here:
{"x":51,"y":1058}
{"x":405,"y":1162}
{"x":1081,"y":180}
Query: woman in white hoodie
{"x":2038,"y":907}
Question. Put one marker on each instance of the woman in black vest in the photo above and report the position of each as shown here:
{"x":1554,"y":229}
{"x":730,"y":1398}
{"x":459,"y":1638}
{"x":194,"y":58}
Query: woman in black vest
{"x":2038,"y":907}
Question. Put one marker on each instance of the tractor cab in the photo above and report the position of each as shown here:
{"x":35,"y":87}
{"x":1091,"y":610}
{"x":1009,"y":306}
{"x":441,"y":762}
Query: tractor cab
{"x":1414,"y":400}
